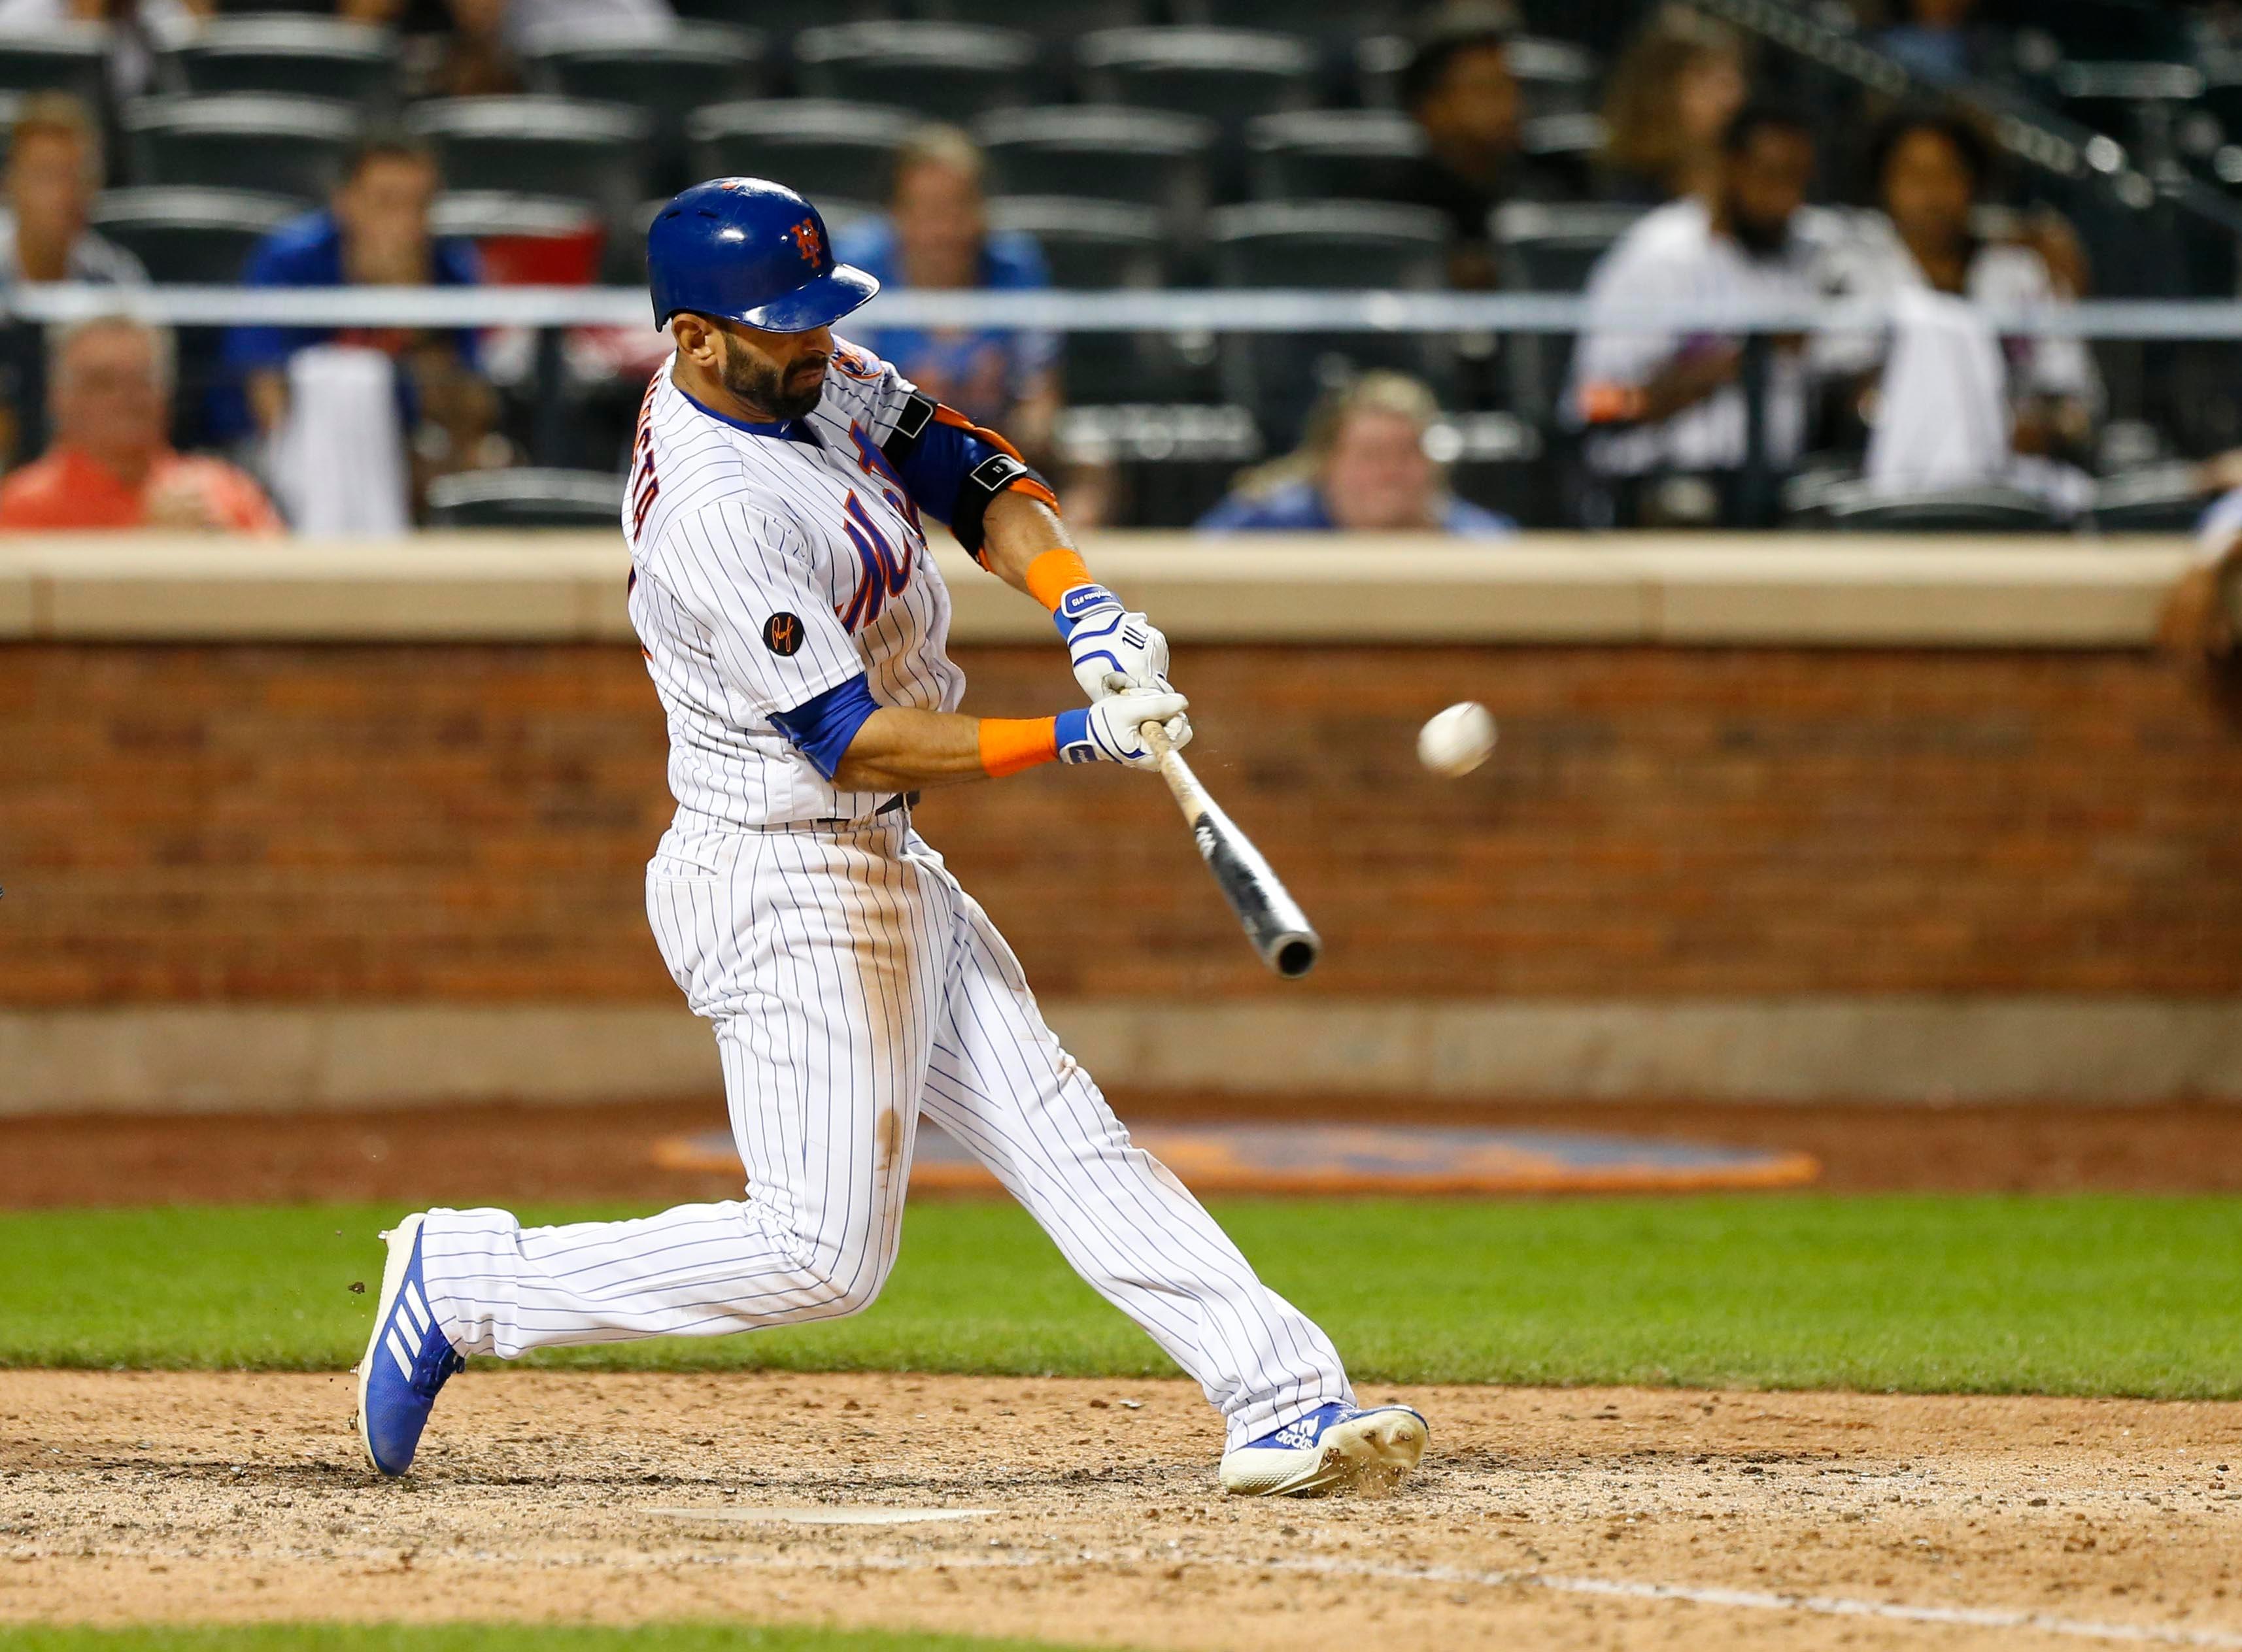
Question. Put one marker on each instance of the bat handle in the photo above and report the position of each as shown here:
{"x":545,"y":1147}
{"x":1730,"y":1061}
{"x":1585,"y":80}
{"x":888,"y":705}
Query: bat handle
{"x":1156,"y":736}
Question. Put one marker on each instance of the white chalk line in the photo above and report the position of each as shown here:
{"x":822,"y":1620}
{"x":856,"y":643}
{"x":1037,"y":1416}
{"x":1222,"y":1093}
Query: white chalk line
{"x":1619,"y":1588}
{"x":1607,"y":1588}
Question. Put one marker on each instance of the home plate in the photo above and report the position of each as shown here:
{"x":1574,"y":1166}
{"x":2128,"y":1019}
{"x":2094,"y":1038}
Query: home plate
{"x":816,"y":1516}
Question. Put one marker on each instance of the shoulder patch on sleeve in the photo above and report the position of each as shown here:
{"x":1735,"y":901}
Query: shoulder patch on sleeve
{"x":782,"y":634}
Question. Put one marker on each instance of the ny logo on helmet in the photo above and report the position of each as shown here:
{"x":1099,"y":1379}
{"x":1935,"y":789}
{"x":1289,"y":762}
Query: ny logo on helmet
{"x":807,"y":241}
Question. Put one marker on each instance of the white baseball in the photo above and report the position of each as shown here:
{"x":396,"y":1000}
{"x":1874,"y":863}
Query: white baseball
{"x":1457,"y":740}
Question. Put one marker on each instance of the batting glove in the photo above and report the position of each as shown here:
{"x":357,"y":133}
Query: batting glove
{"x":1112,"y":731}
{"x":1112,"y":649}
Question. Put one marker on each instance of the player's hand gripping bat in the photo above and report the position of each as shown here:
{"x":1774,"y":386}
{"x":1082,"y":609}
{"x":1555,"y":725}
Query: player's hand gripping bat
{"x":1279,"y":931}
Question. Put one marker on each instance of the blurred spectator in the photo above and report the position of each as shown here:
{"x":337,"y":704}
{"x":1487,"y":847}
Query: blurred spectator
{"x":375,"y":234}
{"x":111,"y":464}
{"x":1937,"y":41}
{"x":472,"y":58}
{"x":475,"y":48}
{"x":1662,"y":405}
{"x":54,"y":167}
{"x":936,"y":234}
{"x":1928,"y":172}
{"x":1361,"y":468}
{"x":1459,"y":89}
{"x":1674,"y":90}
{"x":139,"y":30}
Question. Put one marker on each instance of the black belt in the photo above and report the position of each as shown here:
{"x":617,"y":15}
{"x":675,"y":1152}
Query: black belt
{"x":900,"y":800}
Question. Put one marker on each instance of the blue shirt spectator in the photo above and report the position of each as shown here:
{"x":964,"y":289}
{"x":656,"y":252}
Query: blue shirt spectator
{"x":1361,"y":468}
{"x":936,"y":234}
{"x":375,"y":233}
{"x":1299,"y":508}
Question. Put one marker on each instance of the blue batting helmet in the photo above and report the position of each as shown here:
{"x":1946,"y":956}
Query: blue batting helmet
{"x":748,"y":250}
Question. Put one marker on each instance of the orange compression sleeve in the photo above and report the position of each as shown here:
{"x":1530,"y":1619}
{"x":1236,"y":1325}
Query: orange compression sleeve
{"x":1051,"y":575}
{"x":1010,"y":744}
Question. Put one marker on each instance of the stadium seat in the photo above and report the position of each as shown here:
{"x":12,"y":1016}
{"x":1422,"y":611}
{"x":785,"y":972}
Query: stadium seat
{"x":1333,"y":245}
{"x":294,"y":55}
{"x":945,"y":70}
{"x":1329,"y":243}
{"x":191,"y":236}
{"x":72,"y":57}
{"x":819,"y":147}
{"x":1056,"y":19}
{"x":1552,"y":247}
{"x":2138,"y":104}
{"x":1854,"y":507}
{"x":566,"y":147}
{"x":1493,"y":460}
{"x":662,"y":76}
{"x":1172,"y":462}
{"x":1145,"y":157}
{"x":526,"y":498}
{"x":1227,"y":75}
{"x":258,"y":141}
{"x":1348,"y":19}
{"x":783,"y":19}
{"x":2162,"y":498}
{"x":1362,"y":154}
{"x":1088,"y":243}
{"x":524,"y":240}
{"x":1092,"y":244}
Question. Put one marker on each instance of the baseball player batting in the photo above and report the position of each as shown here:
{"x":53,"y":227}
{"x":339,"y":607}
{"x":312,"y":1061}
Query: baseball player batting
{"x":795,"y":631}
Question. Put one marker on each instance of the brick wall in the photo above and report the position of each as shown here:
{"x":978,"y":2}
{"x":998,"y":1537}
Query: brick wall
{"x":470,"y":822}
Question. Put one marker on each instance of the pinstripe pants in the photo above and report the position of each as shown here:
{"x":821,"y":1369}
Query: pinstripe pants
{"x":855,"y":988}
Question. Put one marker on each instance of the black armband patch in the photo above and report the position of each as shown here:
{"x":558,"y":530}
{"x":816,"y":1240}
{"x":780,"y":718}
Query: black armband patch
{"x":911,"y":426}
{"x":982,"y":484}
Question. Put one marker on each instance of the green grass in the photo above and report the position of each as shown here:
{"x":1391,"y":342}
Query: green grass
{"x":2086,"y":1294}
{"x":473,"y":1637}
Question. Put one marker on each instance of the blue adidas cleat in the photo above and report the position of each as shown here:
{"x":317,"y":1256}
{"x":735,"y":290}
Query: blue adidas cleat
{"x":407,"y":1360}
{"x":1333,"y":1448}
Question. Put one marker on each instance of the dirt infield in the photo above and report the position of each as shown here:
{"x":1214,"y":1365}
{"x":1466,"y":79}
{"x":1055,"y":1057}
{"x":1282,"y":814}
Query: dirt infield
{"x":462,"y":1154}
{"x":1576,"y":1518}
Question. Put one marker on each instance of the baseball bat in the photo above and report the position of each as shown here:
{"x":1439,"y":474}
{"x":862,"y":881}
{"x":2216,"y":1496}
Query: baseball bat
{"x":1279,"y":931}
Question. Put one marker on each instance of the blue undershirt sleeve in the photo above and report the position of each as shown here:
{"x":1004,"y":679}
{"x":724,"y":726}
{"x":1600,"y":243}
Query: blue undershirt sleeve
{"x":935,"y":467}
{"x":822,"y":726}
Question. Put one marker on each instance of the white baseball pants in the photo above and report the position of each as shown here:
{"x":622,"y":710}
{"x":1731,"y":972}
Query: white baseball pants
{"x":854,"y":987}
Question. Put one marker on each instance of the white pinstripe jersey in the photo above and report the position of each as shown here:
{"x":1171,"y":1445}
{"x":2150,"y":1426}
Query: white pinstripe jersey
{"x":766,"y":570}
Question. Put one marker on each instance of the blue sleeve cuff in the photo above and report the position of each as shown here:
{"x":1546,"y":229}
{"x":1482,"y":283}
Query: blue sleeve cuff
{"x":1073,"y":741}
{"x":822,"y":727}
{"x":1078,"y":605}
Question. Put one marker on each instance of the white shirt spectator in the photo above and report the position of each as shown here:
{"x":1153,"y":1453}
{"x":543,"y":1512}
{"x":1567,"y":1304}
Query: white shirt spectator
{"x":1673,"y":256}
{"x":1869,"y":260}
{"x":92,"y":258}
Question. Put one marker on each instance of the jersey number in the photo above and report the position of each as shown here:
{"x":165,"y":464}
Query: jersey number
{"x":645,"y":486}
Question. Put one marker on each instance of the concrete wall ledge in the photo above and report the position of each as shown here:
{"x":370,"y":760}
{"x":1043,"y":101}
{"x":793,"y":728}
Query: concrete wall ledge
{"x":1896,"y":1050}
{"x":1685,"y":590}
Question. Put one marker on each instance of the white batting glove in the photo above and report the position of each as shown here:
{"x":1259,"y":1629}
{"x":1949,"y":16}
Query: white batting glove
{"x":1112,"y":648}
{"x":1112,"y":731}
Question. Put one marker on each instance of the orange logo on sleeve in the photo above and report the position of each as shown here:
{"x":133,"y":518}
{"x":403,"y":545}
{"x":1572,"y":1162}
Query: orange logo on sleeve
{"x":807,"y":241}
{"x":782,"y":634}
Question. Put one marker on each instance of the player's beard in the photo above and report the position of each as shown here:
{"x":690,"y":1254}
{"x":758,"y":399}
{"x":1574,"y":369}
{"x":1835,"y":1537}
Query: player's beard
{"x":781,"y":393}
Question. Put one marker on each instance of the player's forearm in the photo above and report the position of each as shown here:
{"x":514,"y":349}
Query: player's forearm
{"x":901,"y":750}
{"x":1018,"y":531}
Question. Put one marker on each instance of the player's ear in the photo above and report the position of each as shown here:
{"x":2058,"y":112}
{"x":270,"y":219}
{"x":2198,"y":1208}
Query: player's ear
{"x":696,"y":340}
